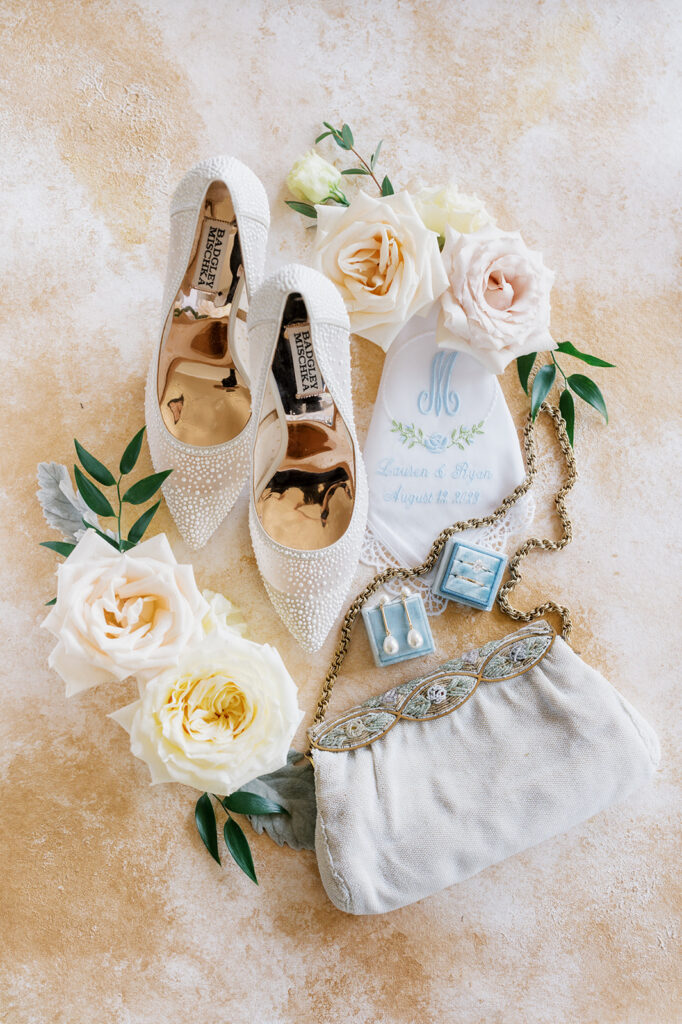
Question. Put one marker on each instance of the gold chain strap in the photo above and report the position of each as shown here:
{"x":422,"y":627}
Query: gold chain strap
{"x":472,"y":524}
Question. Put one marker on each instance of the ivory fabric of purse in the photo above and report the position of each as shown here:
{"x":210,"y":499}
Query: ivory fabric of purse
{"x":499,"y":749}
{"x":493,"y":752}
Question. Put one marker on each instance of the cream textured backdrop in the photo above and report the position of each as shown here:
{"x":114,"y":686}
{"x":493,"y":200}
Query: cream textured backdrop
{"x":566,"y":117}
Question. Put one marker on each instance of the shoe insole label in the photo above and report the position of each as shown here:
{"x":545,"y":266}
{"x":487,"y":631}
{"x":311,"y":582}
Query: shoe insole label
{"x":212,"y":268}
{"x":309,"y":380}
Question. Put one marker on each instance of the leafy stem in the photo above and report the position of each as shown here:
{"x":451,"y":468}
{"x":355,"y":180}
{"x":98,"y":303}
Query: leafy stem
{"x":573,"y":384}
{"x":90,"y":498}
{"x":120,"y":512}
{"x":240,"y":802}
{"x":556,"y":363}
{"x":369,"y":170}
{"x":343,"y":137}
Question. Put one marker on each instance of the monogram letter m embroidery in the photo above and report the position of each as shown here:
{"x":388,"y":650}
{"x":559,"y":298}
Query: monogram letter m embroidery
{"x":439,"y":396}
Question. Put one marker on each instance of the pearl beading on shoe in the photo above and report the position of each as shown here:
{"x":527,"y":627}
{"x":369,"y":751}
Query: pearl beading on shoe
{"x":205,"y":481}
{"x":308,"y":588}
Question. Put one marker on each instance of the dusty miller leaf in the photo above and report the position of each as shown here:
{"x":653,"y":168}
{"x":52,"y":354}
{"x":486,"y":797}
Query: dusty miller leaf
{"x":292,"y":786}
{"x":63,"y":508}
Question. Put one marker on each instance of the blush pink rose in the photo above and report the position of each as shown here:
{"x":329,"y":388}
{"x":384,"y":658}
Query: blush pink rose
{"x":497,"y":306}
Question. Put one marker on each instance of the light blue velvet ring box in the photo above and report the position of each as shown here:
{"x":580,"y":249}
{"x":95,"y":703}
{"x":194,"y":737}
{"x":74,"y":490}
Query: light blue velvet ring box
{"x":404,"y":641}
{"x":469,"y":574}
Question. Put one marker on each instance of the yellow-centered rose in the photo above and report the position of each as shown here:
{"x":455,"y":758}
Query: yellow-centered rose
{"x":383,"y":260}
{"x":225,"y":715}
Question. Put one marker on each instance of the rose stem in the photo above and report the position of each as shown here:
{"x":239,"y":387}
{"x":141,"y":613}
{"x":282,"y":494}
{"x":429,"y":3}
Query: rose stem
{"x":120,"y":510}
{"x":369,"y":169}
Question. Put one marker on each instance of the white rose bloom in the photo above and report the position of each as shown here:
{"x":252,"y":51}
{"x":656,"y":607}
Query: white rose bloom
{"x":383,"y":260}
{"x":121,"y":614}
{"x":498,"y":304}
{"x":445,"y":206}
{"x":222,"y":614}
{"x":312,"y":178}
{"x":225,"y":715}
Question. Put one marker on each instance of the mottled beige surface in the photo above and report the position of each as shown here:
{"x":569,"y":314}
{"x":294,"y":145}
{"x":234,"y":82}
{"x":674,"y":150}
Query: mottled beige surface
{"x":566,"y":116}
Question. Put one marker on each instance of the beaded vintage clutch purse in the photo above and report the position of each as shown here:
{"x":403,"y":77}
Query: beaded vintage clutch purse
{"x":494,"y":751}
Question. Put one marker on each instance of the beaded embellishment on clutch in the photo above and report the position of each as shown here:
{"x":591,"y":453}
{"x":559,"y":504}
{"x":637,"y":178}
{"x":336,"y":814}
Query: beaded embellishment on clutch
{"x":437,"y":694}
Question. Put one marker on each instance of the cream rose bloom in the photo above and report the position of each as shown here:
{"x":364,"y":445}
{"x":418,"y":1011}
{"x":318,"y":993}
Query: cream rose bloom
{"x":383,"y":260}
{"x":222,"y":614}
{"x":121,"y":614}
{"x":224,"y":715}
{"x":312,"y":178}
{"x":445,"y":206}
{"x":497,"y":306}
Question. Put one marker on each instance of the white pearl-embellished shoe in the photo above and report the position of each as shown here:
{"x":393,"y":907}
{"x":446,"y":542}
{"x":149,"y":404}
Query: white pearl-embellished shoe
{"x":198,"y":397}
{"x":308,"y":504}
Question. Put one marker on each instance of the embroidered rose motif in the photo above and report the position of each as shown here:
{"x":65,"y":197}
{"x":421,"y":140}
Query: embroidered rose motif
{"x":391,"y":697}
{"x":437,"y":693}
{"x":355,"y":729}
{"x":470,"y":657}
{"x":519,"y":652}
{"x":435,"y":442}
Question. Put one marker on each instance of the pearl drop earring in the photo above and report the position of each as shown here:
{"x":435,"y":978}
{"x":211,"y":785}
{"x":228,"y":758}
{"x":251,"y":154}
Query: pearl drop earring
{"x":390,"y":644}
{"x":414,"y":637}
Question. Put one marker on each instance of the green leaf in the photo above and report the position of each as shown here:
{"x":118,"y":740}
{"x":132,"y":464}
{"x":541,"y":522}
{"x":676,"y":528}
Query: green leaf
{"x":91,"y":495}
{"x":386,"y":187}
{"x":375,"y":156}
{"x":589,"y":392}
{"x":542,"y":384}
{"x":93,"y":466}
{"x":567,"y":410}
{"x":355,"y":170}
{"x":524,"y":364}
{"x":60,"y":546}
{"x":144,"y":489}
{"x":347,"y":136}
{"x":238,"y":845}
{"x":570,"y":350}
{"x":104,"y":536}
{"x":53,"y":601}
{"x":244,"y":802}
{"x":204,"y":816}
{"x":137,"y":530}
{"x":131,"y":454}
{"x":323,"y":136}
{"x":305,"y":208}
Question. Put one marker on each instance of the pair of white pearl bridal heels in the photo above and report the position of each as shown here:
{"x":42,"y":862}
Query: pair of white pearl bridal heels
{"x":251,"y":382}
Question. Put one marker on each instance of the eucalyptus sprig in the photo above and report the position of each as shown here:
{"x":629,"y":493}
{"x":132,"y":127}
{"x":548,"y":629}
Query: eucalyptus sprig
{"x":97,"y":501}
{"x":574,"y":383}
{"x":241,"y":802}
{"x":344,"y":139}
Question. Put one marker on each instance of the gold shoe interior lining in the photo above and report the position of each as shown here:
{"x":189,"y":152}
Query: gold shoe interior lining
{"x":202,"y":386}
{"x":304,"y":454}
